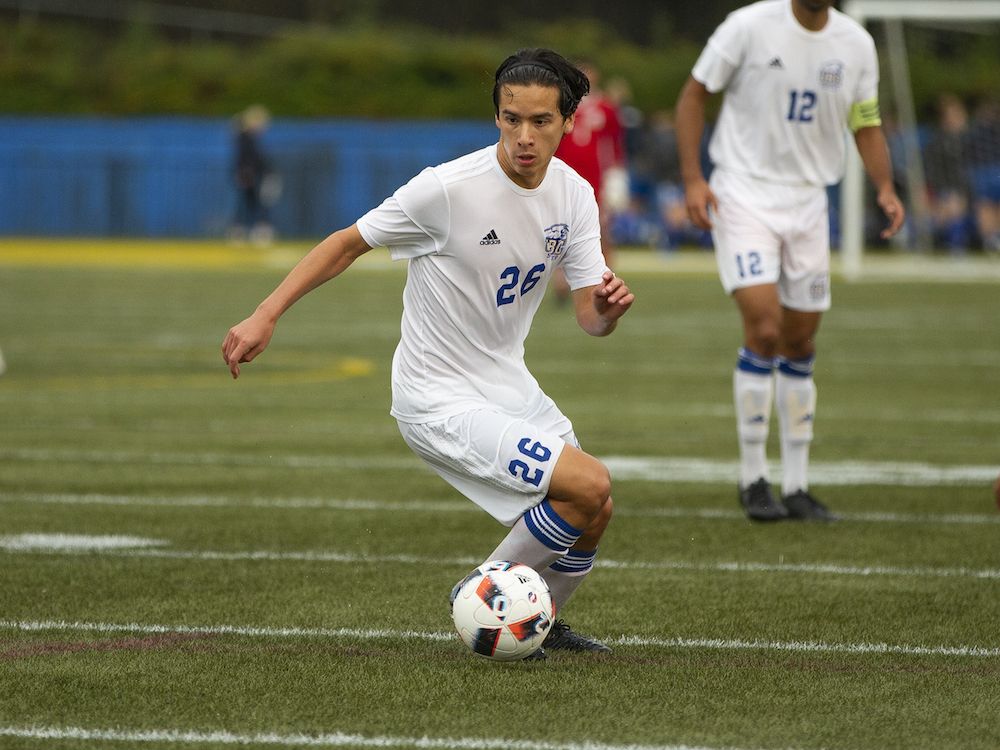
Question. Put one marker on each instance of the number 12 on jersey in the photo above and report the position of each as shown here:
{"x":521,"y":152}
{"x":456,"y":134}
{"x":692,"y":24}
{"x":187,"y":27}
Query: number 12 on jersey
{"x":801,"y":105}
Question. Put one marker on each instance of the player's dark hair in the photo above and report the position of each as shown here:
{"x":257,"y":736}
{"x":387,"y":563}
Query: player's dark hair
{"x":542,"y":67}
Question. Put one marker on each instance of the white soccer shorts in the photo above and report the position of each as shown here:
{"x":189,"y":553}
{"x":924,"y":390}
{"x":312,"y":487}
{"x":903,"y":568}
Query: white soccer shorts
{"x":765,"y":233}
{"x":503,"y":464}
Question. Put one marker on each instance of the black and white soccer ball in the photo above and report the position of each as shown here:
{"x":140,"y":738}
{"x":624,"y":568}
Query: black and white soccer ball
{"x":503,"y":610}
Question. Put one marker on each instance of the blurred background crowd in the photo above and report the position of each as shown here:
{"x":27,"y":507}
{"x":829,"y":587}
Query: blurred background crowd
{"x":254,"y":119}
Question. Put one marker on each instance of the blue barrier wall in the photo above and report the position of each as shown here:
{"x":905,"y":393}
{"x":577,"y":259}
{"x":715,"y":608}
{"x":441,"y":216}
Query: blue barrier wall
{"x":171,"y":177}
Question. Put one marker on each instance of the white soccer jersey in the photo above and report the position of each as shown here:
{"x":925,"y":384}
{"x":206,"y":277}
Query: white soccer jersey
{"x":481,"y":250}
{"x":789,"y":92}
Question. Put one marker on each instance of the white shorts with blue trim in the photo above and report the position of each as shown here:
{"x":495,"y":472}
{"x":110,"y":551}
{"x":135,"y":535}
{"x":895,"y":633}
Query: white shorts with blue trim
{"x":503,"y":464}
{"x":766,"y":233}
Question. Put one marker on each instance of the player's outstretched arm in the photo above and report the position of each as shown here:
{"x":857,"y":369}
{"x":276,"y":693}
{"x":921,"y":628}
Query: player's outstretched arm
{"x":599,"y":307}
{"x":328,"y":259}
{"x":690,"y":124}
{"x":874,"y":154}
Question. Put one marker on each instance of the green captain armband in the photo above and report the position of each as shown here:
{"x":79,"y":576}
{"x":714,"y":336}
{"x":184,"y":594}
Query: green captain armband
{"x":865,"y":115}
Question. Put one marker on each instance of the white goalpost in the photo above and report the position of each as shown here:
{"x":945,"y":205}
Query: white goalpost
{"x":893,"y":55}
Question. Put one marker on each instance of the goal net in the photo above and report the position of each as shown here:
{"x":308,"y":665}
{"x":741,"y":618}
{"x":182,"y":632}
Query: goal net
{"x":940,"y":97}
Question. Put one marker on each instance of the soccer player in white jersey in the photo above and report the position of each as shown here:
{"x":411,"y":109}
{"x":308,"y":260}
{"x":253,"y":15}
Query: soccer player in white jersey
{"x":799,"y":77}
{"x":482,"y":235}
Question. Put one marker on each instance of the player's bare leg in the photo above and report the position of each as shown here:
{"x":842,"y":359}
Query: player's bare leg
{"x":761,"y":312}
{"x":580,"y":487}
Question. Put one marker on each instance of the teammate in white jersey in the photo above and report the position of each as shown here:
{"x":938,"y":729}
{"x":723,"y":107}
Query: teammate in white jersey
{"x":798,"y":76}
{"x":482,"y":235}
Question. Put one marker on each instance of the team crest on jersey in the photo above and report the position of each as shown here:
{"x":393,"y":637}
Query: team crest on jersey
{"x":831,"y":75}
{"x":555,"y":240}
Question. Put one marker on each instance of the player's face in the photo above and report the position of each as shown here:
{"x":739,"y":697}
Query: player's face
{"x":530,"y":130}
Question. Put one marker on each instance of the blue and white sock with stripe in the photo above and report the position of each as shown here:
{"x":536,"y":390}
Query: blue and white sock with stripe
{"x":795,"y":401}
{"x":753,"y":388}
{"x":567,"y":573}
{"x":575,"y":562}
{"x":539,"y":538}
{"x":549,"y":528}
{"x":542,"y":540}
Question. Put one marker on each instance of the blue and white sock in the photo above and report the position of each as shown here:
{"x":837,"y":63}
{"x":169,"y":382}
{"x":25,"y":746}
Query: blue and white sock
{"x":549,"y":528}
{"x":539,"y":538}
{"x":753,"y":384}
{"x":795,"y":399}
{"x":575,"y":562}
{"x":567,"y":573}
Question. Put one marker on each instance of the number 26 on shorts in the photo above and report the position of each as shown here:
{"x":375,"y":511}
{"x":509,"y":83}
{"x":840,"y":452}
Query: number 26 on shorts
{"x":535,"y":451}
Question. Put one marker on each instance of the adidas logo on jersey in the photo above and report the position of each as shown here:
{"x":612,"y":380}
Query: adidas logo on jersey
{"x":490,"y":239}
{"x":776,"y":63}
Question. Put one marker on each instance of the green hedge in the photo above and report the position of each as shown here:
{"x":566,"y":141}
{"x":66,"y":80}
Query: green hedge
{"x":362,"y":71}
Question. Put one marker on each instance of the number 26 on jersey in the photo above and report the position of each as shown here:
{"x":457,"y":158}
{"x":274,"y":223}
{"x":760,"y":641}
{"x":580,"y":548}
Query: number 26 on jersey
{"x":538,"y":453}
{"x":512,"y":284}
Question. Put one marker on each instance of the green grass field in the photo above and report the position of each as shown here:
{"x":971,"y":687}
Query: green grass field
{"x":192,"y":562}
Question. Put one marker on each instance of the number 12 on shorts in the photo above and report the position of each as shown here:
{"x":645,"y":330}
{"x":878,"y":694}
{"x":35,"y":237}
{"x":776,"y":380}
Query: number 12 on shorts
{"x":749,"y":264}
{"x":535,"y":451}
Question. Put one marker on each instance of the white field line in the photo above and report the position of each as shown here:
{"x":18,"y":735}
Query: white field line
{"x":334,"y":739}
{"x":76,"y":542}
{"x":223,"y":501}
{"x":11,"y":545}
{"x":440,"y":506}
{"x":653,"y":469}
{"x":820,"y":473}
{"x":724,"y":644}
{"x":173,"y":458}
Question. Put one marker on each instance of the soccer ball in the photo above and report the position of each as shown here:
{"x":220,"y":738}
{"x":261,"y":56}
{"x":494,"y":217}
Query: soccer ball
{"x":503,"y":610}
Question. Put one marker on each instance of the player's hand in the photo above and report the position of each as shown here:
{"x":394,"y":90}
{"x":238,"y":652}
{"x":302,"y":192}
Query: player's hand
{"x":892,"y":207}
{"x":612,"y":297}
{"x":699,"y":198}
{"x":245,"y":341}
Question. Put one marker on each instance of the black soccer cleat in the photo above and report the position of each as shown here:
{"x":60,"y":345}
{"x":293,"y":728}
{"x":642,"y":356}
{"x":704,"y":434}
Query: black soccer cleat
{"x":759,"y":504}
{"x":802,"y":506}
{"x":561,"y":636}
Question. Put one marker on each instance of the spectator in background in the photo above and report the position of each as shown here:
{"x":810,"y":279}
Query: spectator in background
{"x":899,"y":158}
{"x":984,"y":150}
{"x":665,"y":170}
{"x":595,"y":149}
{"x":252,"y":178}
{"x":946,"y":163}
{"x":619,"y":93}
{"x":619,"y":188}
